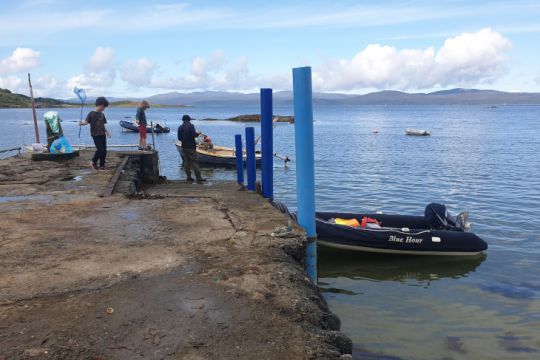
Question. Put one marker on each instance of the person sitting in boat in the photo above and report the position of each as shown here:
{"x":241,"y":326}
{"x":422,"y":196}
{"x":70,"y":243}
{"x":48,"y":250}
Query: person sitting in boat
{"x":207,"y":143}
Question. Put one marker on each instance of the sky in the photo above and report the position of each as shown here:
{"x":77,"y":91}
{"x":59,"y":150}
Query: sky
{"x":141,"y":48}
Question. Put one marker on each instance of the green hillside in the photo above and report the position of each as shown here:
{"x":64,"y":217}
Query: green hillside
{"x":11,"y":100}
{"x":135,"y":104}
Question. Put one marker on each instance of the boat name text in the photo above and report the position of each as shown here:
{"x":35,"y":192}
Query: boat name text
{"x":406,"y":240}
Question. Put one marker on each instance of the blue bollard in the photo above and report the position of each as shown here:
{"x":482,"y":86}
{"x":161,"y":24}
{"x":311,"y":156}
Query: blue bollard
{"x":250,"y":158}
{"x":305,"y":168}
{"x":267,"y":144}
{"x":239,"y":160}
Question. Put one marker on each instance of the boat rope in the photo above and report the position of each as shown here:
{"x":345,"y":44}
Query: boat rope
{"x":283,"y":208}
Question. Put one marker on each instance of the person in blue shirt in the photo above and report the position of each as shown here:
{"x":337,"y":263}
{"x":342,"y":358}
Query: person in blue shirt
{"x":187,"y":135}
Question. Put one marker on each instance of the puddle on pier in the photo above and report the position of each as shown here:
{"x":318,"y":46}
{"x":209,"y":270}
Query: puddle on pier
{"x":72,"y":178}
{"x":20,"y":198}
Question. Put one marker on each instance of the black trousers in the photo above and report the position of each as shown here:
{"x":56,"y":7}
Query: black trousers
{"x":101,"y":149}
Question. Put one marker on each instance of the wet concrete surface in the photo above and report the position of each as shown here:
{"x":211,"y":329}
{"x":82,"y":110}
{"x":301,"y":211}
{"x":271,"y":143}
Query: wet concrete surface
{"x":176,"y":271}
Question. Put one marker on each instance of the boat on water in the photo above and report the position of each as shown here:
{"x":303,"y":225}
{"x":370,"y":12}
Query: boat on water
{"x":218,"y":155}
{"x":158,"y":129}
{"x":440,"y":234}
{"x":417,"y":132}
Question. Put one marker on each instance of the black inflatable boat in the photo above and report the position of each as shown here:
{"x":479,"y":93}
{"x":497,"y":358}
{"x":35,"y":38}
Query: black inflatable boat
{"x":158,"y":129}
{"x":399,"y":234}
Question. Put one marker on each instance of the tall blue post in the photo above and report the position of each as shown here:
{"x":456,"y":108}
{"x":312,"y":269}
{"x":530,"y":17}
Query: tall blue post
{"x":267,"y":144}
{"x":239,"y":160}
{"x":250,"y":158}
{"x":305,"y":168}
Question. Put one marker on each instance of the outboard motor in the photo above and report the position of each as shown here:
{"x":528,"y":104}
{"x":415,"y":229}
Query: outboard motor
{"x":439,"y":218}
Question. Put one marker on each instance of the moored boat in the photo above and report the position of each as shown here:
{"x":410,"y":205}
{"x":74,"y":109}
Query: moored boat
{"x":417,"y":132}
{"x":217,"y":155}
{"x":158,"y":129}
{"x":397,"y":234}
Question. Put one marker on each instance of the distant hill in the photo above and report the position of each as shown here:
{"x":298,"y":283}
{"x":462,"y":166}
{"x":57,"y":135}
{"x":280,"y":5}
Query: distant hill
{"x":386,"y":97}
{"x":448,"y":97}
{"x":92,"y":99}
{"x":212,"y":97}
{"x":176,"y":98}
{"x":11,"y":100}
{"x":134,"y":104}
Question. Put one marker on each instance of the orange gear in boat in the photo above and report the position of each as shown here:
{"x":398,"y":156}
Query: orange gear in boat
{"x":348,"y":222}
{"x":366,"y":220}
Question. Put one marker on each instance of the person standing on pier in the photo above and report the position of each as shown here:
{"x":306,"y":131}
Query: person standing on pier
{"x":99,"y":133}
{"x":187,"y":135}
{"x":140,"y":119}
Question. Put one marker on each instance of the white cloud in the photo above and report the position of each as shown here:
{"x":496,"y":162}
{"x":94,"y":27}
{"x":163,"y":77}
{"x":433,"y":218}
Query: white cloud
{"x":46,"y":86}
{"x":49,"y":86}
{"x":238,"y":74}
{"x":212,"y":73}
{"x":13,"y":84}
{"x":99,"y":75}
{"x":22,"y":59}
{"x":216,"y":73}
{"x":19,"y":24}
{"x":138,"y":72}
{"x":110,"y":19}
{"x":101,"y":60}
{"x":94,"y":83}
{"x":464,"y":60}
{"x":118,"y":18}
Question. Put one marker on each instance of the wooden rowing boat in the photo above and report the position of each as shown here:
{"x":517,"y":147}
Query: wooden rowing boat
{"x":218,"y":155}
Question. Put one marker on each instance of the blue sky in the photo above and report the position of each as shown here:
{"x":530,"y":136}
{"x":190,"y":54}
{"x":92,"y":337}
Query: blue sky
{"x":141,"y":48}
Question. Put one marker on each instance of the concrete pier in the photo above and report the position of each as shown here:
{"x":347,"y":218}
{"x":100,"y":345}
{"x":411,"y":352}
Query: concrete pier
{"x":153,"y":270}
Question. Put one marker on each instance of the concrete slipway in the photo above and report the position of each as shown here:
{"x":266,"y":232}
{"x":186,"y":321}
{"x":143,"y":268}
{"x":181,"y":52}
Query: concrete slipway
{"x":155,"y":271}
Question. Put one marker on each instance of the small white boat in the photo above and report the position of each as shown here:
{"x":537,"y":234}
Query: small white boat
{"x":417,"y":132}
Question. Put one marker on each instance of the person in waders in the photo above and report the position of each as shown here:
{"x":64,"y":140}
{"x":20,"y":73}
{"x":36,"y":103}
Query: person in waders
{"x":187,"y":135}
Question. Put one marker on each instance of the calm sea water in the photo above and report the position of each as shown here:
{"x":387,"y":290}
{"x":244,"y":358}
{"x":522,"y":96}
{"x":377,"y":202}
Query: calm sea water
{"x":480,"y":159}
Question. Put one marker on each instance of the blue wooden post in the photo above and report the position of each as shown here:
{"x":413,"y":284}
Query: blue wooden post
{"x":239,"y":160}
{"x":305,"y":168}
{"x":250,"y":158}
{"x":267,"y":144}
